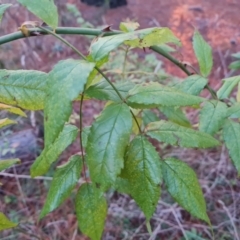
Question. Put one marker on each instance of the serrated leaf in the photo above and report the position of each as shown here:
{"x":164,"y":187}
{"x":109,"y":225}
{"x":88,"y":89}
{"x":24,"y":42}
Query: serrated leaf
{"x":46,"y":10}
{"x":175,"y":115}
{"x":5,"y":122}
{"x":227,"y":87}
{"x":231,"y":133}
{"x":141,"y":38}
{"x":3,"y":8}
{"x":128,"y":26}
{"x":23,"y":88}
{"x":193,"y":84}
{"x":5,"y":223}
{"x":142,"y":170}
{"x":182,"y":183}
{"x":235,"y":65}
{"x":203,"y":52}
{"x":68,"y":78}
{"x":149,"y":116}
{"x":212,"y":116}
{"x":104,"y":91}
{"x":64,"y":180}
{"x":174,"y":134}
{"x":234,"y":111}
{"x":91,"y":209}
{"x":12,"y":109}
{"x":4,"y":164}
{"x":51,"y":152}
{"x":154,"y":95}
{"x":108,"y":138}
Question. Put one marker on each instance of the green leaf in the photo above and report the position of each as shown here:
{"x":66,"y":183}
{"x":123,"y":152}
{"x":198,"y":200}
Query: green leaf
{"x":174,"y":134}
{"x":235,"y":65}
{"x":23,"y":88}
{"x":193,"y":84}
{"x":128,"y":26}
{"x":104,"y":91}
{"x":227,"y":87}
{"x":175,"y":115}
{"x":91,"y":209}
{"x":231,"y":133}
{"x":234,"y":111}
{"x":236,"y":55}
{"x":203,"y":52}
{"x":182,"y":184}
{"x":85,"y":133}
{"x":142,"y":170}
{"x":4,"y":164}
{"x":5,"y":121}
{"x":107,"y":141}
{"x":46,"y":10}
{"x":212,"y":116}
{"x":3,"y":8}
{"x":5,"y":223}
{"x":150,"y":37}
{"x":141,"y":38}
{"x":64,"y":180}
{"x":68,"y":78}
{"x":149,"y":116}
{"x":12,"y":109}
{"x":52,"y":152}
{"x":122,"y":185}
{"x":154,"y":95}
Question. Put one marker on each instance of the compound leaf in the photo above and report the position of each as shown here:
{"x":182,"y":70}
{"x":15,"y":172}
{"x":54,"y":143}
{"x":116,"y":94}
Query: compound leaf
{"x":52,"y":152}
{"x":5,"y":223}
{"x":141,"y":38}
{"x":68,"y":78}
{"x":182,"y":184}
{"x":5,"y":121}
{"x":91,"y":209}
{"x":64,"y":180}
{"x":4,"y":164}
{"x":174,"y":134}
{"x":46,"y":10}
{"x":23,"y":88}
{"x":108,"y":138}
{"x":142,"y":170}
{"x":12,"y":109}
{"x":212,"y":116}
{"x":3,"y":8}
{"x":154,"y":95}
{"x":203,"y":52}
{"x":231,"y":132}
{"x":175,"y":115}
{"x":104,"y":91}
{"x":193,"y":84}
{"x":227,"y":87}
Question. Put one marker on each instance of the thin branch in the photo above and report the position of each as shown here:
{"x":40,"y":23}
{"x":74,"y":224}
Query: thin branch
{"x":94,"y":32}
{"x":80,"y":135}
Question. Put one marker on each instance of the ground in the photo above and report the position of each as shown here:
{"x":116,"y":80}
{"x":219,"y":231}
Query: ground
{"x":22,"y":199}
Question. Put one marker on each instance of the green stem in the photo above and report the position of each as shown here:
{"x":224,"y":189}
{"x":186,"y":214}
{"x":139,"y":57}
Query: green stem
{"x":94,"y":32}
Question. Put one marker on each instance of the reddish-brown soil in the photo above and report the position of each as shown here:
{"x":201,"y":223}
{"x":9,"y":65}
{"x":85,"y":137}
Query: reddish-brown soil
{"x":219,"y":23}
